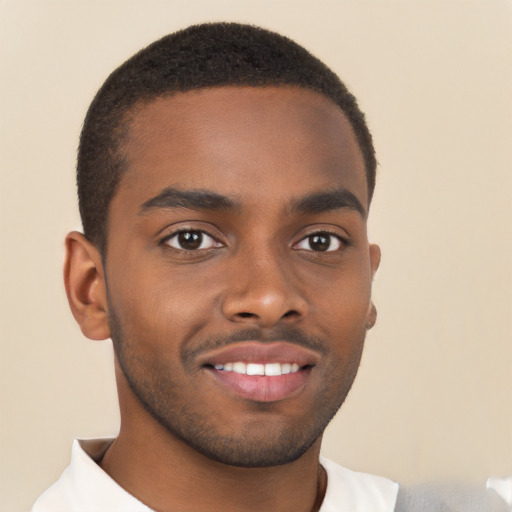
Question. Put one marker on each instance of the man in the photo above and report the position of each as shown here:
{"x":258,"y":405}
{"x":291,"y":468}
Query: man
{"x":225,"y":177}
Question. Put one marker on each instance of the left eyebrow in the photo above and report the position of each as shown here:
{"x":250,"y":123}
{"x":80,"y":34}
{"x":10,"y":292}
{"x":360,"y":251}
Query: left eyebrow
{"x":190,"y":199}
{"x":325,"y":201}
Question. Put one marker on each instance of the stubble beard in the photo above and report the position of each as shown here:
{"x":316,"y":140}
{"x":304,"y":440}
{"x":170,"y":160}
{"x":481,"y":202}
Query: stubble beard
{"x":256,"y":446}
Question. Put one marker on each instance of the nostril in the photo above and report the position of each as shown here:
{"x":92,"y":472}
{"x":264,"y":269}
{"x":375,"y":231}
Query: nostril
{"x":291,"y":313}
{"x":245,"y":314}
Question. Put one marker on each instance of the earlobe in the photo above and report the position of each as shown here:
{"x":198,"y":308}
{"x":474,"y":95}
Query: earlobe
{"x":371,"y":317}
{"x":375,"y":256}
{"x":84,"y":279}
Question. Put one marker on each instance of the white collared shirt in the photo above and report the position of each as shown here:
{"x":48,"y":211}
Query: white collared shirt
{"x":85,"y":487}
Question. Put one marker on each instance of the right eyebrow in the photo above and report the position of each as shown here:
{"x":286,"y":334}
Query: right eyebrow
{"x":328,"y":200}
{"x":191,"y":199}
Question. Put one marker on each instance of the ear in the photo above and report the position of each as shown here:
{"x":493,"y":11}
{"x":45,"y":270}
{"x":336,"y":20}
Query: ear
{"x":84,"y":279}
{"x":374,"y":265}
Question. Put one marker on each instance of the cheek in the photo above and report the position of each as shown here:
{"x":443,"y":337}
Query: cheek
{"x":157,"y":306}
{"x":346,"y":292}
{"x":342,"y":310}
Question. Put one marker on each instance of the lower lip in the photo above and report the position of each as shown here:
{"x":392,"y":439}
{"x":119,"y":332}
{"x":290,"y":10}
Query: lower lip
{"x":260,"y":388}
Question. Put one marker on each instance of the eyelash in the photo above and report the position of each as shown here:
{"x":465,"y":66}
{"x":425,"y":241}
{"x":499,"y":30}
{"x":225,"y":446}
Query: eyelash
{"x":214,"y":243}
{"x":343,"y":242}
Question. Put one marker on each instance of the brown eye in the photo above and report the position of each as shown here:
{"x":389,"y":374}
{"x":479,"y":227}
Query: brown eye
{"x":192,"y":240}
{"x":320,"y":242}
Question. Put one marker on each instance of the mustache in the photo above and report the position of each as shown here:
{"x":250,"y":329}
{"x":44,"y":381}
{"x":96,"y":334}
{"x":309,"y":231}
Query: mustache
{"x":282,"y":333}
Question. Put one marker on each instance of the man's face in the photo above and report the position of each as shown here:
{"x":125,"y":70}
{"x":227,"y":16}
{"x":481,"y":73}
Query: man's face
{"x":237,"y":246}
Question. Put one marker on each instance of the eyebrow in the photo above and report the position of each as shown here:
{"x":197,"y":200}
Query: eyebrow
{"x":318,"y":202}
{"x":191,"y":199}
{"x":325,"y":201}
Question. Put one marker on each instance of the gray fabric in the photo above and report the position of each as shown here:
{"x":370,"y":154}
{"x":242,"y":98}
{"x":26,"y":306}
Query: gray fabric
{"x":449,"y":498}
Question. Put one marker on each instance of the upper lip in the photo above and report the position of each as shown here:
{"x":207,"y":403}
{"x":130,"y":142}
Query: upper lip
{"x":259,"y":352}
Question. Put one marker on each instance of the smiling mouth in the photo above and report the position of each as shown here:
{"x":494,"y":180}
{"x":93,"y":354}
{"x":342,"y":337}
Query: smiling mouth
{"x":262,"y":369}
{"x":260,"y":372}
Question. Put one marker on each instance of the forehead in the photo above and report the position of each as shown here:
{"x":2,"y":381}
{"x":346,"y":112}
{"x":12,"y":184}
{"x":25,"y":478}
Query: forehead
{"x":266,"y":142}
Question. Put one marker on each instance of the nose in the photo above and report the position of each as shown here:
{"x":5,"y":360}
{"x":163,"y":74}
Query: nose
{"x":263,"y":291}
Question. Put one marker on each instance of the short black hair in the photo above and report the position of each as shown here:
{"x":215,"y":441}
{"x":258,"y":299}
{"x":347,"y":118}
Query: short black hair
{"x":200,"y":56}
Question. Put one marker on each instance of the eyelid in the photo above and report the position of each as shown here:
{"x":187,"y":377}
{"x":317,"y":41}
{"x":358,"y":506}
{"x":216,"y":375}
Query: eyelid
{"x":343,"y":240}
{"x":184,"y":228}
{"x":211,"y":244}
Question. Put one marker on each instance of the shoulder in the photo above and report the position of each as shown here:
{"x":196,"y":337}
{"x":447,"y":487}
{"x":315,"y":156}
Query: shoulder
{"x":84,"y":486}
{"x":356,"y":492}
{"x":54,"y":498}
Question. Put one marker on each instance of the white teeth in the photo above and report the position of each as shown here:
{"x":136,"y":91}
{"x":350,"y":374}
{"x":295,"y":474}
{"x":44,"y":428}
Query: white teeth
{"x":255,"y":369}
{"x":273,"y":369}
{"x":269,"y":369}
{"x":239,"y":367}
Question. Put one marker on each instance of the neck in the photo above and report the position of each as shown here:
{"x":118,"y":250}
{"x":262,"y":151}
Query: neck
{"x":166,"y":474}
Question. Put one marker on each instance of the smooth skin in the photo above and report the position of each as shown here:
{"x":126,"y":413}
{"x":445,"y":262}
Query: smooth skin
{"x":241,"y":219}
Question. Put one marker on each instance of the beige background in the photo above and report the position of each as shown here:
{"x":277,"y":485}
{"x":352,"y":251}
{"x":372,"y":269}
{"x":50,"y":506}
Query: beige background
{"x":433,"y":396}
